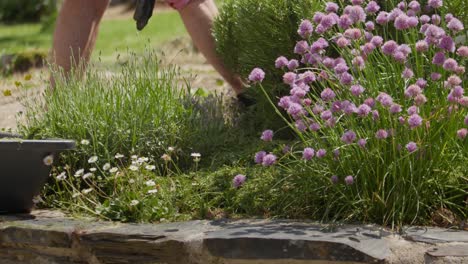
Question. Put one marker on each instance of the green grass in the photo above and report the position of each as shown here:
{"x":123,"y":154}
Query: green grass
{"x":115,"y":35}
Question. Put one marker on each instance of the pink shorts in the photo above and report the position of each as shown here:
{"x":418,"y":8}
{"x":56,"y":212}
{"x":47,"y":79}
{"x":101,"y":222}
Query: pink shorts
{"x":178,"y":4}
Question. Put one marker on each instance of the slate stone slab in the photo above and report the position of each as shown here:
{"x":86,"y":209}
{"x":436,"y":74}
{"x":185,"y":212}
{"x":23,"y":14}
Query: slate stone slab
{"x":449,"y":251}
{"x":288,"y":240}
{"x":53,"y":238}
{"x":434,"y":235}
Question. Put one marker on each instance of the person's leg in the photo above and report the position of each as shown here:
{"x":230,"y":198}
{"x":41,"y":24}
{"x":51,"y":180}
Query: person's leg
{"x":76,"y":31}
{"x":198,"y":17}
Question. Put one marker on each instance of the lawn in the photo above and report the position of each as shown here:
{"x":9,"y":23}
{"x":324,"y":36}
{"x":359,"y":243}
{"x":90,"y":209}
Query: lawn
{"x":116,"y":35}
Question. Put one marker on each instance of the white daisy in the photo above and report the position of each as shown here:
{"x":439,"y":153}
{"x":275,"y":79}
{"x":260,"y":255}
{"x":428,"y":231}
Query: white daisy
{"x":85,"y":142}
{"x":133,"y":168}
{"x":119,"y":156}
{"x":87,"y":175}
{"x":150,"y":183}
{"x":93,"y":159}
{"x":150,"y":167}
{"x":48,"y":160}
{"x":134,"y":202}
{"x":153,"y":191}
{"x":62,"y":176}
{"x":79,"y":172}
{"x":113,"y":170}
{"x":106,"y":166}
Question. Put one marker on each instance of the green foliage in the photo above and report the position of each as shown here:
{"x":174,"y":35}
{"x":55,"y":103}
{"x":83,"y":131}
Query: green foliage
{"x":143,"y":109}
{"x":251,"y":34}
{"x":14,"y":11}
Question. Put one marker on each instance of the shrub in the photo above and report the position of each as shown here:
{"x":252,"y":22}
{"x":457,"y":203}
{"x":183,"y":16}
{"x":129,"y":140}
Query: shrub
{"x":252,"y":33}
{"x":13,"y":11}
{"x":384,"y":140}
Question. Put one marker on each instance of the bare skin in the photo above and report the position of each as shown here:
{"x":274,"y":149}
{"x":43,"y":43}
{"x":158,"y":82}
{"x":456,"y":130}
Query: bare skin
{"x":78,"y":26}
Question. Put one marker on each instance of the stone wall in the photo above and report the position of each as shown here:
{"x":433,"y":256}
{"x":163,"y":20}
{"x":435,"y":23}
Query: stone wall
{"x":48,"y":237}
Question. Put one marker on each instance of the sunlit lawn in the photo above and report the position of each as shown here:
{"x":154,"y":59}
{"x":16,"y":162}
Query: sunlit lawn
{"x":116,"y":36}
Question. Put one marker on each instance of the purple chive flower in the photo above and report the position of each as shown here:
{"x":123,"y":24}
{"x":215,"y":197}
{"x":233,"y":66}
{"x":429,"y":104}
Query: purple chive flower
{"x":363,"y":110}
{"x":382,"y":18}
{"x":412,"y":91}
{"x":281,"y":62}
{"x":370,"y":102}
{"x":317,"y":109}
{"x":421,"y":83}
{"x":462,"y":133}
{"x":458,"y":92}
{"x":331,"y":7}
{"x":389,"y":47}
{"x":314,"y":127}
{"x":424,"y":19}
{"x":307,"y":101}
{"x":420,"y":99}
{"x":447,"y":44}
{"x":353,"y":33}
{"x":413,"y":110}
{"x":450,"y":64}
{"x":305,"y":29}
{"x":267,"y":135}
{"x":412,"y":22}
{"x":356,"y":13}
{"x":370,"y":26}
{"x":308,"y":153}
{"x":439,"y":58}
{"x":407,"y":73}
{"x":463,"y":101}
{"x":455,"y":25}
{"x":435,"y":3}
{"x":269,"y":160}
{"x":300,"y":125}
{"x":401,"y":22}
{"x":453,"y":81}
{"x":399,"y":56}
{"x":422,"y":46}
{"x":415,"y":6}
{"x":385,"y":99}
{"x":357,"y":90}
{"x":336,"y":153}
{"x":395,"y":108}
{"x":346,"y":78}
{"x":414,"y":121}
{"x":375,"y":115}
{"x":381,"y":134}
{"x":377,"y":41}
{"x":321,"y":153}
{"x":259,"y":156}
{"x":358,"y":62}
{"x":326,"y":115}
{"x":372,"y":7}
{"x":257,"y":75}
{"x":301,"y":47}
{"x":295,"y":109}
{"x":344,"y":21}
{"x":238,"y":180}
{"x":362,"y":142}
{"x":411,"y":147}
{"x":357,"y":2}
{"x":293,"y":64}
{"x":289,"y":78}
{"x":462,"y":51}
{"x":435,"y":76}
{"x":401,"y":120}
{"x":349,"y":180}
{"x":341,"y":68}
{"x":327,"y":94}
{"x":334,"y":179}
{"x":342,"y":42}
{"x":348,"y":137}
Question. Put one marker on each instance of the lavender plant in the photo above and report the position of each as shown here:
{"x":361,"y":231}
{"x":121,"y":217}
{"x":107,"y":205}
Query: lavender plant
{"x":382,"y":125}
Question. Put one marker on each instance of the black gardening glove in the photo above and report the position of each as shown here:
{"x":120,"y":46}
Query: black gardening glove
{"x":143,"y":12}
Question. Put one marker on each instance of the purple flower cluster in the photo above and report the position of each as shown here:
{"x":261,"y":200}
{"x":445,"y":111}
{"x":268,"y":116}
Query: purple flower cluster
{"x":349,"y":111}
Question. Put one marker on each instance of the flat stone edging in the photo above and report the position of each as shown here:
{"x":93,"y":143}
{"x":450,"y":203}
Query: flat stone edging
{"x":46,"y":237}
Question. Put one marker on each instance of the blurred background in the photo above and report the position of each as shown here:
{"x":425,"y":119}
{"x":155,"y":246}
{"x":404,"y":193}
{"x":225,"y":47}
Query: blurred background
{"x":26,"y":31}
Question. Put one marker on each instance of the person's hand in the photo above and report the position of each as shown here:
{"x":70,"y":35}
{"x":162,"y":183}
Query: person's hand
{"x":143,"y":12}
